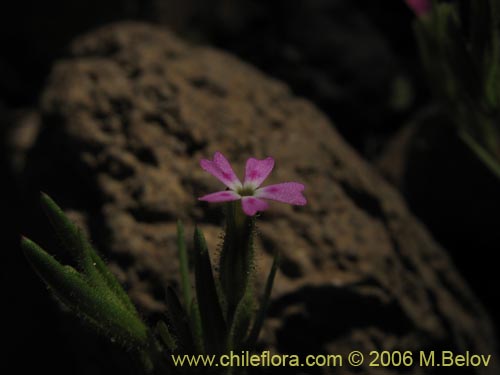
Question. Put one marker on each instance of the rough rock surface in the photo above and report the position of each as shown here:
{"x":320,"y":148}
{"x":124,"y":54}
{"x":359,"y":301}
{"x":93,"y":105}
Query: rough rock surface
{"x":126,"y":118}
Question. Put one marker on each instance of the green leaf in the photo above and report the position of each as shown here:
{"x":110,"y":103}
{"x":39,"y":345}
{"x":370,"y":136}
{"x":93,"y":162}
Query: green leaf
{"x":75,"y":242}
{"x":433,"y":39}
{"x":241,"y":321}
{"x":456,"y":71}
{"x":166,"y":337}
{"x":72,"y":238}
{"x":212,"y":319}
{"x":483,"y":155}
{"x":183,"y":265}
{"x":492,"y":56}
{"x":87,"y":301}
{"x":480,"y":27}
{"x":113,"y":283}
{"x":196,"y":327}
{"x":67,"y":232}
{"x":261,"y":314}
{"x":180,"y":322}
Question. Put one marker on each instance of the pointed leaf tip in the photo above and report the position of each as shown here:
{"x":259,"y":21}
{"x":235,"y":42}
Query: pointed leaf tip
{"x":261,"y":314}
{"x":26,"y":243}
{"x":200,"y":243}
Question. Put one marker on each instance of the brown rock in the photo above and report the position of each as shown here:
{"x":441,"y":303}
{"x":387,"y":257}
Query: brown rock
{"x":126,"y":119}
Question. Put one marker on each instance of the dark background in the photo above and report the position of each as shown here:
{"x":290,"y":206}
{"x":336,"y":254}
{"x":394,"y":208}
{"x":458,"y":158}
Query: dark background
{"x":355,"y":59}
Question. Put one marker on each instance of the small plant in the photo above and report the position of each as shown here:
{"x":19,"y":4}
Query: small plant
{"x":220,"y":317}
{"x":460,"y":50}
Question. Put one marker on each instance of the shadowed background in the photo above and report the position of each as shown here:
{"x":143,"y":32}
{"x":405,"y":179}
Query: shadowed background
{"x":355,"y":60}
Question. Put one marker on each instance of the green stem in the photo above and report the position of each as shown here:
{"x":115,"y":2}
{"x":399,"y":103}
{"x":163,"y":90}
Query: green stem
{"x":482,"y":153}
{"x":236,"y":261}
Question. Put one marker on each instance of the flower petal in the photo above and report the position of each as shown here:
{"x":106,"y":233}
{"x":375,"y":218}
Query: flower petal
{"x":221,"y":196}
{"x":221,"y":169}
{"x":420,"y":7}
{"x":251,"y":205}
{"x":286,"y":192}
{"x":256,"y":171}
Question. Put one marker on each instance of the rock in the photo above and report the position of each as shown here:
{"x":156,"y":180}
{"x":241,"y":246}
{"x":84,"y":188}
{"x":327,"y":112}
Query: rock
{"x":126,"y":119}
{"x":338,"y":53}
{"x":22,"y":131}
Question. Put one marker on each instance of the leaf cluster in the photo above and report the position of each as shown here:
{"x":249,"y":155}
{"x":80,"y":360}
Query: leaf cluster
{"x":459,"y":46}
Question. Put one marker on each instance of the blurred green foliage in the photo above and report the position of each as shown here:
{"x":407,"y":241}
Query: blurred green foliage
{"x":459,"y":45}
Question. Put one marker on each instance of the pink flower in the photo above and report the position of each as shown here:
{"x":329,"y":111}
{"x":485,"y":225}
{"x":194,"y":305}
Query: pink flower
{"x":420,"y":7}
{"x":251,"y":194}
